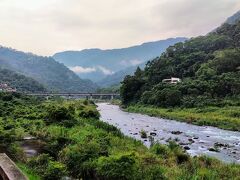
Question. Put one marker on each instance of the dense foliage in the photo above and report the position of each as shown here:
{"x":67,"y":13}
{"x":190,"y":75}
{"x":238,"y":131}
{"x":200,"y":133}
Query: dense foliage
{"x":209,"y":67}
{"x":46,"y":70}
{"x":20,"y":82}
{"x":76,"y":144}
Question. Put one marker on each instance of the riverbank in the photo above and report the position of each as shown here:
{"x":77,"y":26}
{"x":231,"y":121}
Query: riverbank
{"x":77,"y":144}
{"x":227,"y":118}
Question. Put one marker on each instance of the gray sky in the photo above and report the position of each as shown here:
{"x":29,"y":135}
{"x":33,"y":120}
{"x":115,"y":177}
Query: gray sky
{"x":48,"y":26}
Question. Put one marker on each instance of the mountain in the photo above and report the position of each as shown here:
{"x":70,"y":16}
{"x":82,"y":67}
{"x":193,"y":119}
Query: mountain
{"x":209,"y":67}
{"x":45,"y":70}
{"x":96,"y":64}
{"x":234,"y":18}
{"x":116,"y":78}
{"x":20,"y":82}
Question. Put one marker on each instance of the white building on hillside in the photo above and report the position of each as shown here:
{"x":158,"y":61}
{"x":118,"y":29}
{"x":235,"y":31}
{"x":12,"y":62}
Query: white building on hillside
{"x":173,"y":80}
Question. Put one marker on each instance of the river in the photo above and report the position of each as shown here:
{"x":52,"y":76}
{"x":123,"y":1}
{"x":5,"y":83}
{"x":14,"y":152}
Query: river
{"x":197,"y":140}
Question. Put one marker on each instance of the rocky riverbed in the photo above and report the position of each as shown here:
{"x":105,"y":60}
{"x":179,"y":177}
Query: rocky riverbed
{"x":196,"y":140}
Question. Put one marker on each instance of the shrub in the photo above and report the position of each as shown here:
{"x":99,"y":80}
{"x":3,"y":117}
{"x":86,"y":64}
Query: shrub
{"x":160,"y":149}
{"x":181,"y":157}
{"x":80,"y":158}
{"x":117,"y":167}
{"x":143,"y":134}
{"x":61,"y":115}
{"x":89,"y":112}
{"x":47,"y":168}
{"x":154,"y":172}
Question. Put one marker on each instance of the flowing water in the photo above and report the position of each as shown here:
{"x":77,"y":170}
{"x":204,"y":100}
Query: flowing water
{"x":197,"y":140}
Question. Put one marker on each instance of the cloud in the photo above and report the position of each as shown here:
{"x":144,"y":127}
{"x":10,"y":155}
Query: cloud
{"x":58,"y":25}
{"x":105,"y":71}
{"x":87,"y":70}
{"x":135,"y":62}
{"x":128,"y":63}
{"x":81,"y":70}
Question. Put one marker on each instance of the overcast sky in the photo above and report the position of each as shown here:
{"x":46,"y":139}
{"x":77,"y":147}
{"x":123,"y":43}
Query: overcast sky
{"x":48,"y":26}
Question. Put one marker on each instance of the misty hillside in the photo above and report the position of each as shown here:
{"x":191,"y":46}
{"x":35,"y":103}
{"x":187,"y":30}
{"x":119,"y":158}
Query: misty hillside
{"x":45,"y":70}
{"x":96,"y":64}
{"x":117,"y":78}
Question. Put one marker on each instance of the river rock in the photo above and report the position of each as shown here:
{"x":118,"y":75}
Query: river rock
{"x":183,"y":143}
{"x":217,"y":144}
{"x":213,"y":149}
{"x":186,"y":147}
{"x":153,"y":133}
{"x":29,"y":138}
{"x":191,"y":140}
{"x":176,"y":132}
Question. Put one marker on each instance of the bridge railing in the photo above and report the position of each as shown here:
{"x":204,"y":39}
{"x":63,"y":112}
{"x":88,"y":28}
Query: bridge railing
{"x":9,"y":170}
{"x":87,"y":95}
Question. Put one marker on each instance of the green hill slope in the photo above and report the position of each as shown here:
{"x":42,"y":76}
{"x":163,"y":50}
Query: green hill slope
{"x":20,"y":82}
{"x":46,"y":70}
{"x":208,"y":66}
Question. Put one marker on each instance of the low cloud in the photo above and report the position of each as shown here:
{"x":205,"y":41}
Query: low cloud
{"x":81,"y":70}
{"x":133,"y":62}
{"x":105,"y":70}
{"x":87,"y":70}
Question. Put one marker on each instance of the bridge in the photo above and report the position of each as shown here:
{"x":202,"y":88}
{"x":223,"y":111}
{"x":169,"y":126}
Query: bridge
{"x":79,"y":95}
{"x":9,"y":170}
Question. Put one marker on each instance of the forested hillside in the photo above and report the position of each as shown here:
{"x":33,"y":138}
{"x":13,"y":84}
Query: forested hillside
{"x":20,"y":82}
{"x":209,"y":67}
{"x":46,"y":70}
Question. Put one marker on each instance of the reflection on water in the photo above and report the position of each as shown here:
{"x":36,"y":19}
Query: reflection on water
{"x":31,"y":146}
{"x":197,"y":140}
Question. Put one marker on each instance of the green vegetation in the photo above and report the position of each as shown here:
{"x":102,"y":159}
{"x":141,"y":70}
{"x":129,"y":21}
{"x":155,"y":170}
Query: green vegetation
{"x":75,"y":143}
{"x":20,"y":82}
{"x":53,"y":75}
{"x":222,"y":117}
{"x":209,"y":67}
{"x":28,"y":172}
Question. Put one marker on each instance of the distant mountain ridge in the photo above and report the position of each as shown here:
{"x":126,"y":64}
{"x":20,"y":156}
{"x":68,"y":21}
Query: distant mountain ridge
{"x":53,"y":75}
{"x":97,"y":64}
{"x":234,"y":18}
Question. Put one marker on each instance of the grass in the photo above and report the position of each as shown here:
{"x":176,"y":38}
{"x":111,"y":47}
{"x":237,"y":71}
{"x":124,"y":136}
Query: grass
{"x":28,"y":172}
{"x":222,"y":117}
